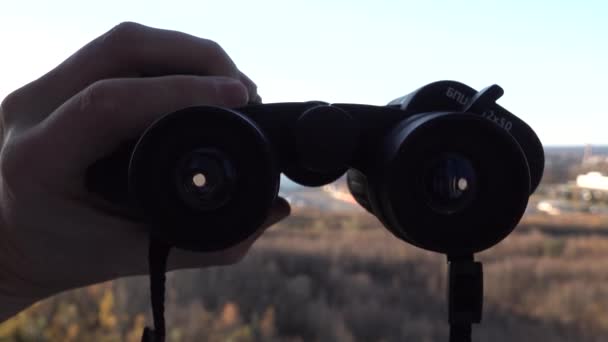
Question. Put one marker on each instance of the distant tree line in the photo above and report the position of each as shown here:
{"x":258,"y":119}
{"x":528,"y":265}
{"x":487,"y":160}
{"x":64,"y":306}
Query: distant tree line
{"x":561,"y":168}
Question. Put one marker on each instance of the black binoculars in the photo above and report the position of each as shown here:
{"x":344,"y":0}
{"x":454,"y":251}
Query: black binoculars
{"x":444,"y":168}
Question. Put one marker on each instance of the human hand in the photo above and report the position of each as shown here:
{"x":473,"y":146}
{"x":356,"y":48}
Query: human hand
{"x":53,"y":236}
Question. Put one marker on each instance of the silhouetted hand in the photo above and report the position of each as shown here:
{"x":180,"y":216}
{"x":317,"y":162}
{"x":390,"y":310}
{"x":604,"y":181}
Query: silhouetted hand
{"x":52,"y":236}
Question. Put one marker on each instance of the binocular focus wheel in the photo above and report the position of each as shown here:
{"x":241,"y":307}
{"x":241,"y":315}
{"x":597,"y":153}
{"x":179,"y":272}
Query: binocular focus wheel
{"x":193,"y":169}
{"x":310,"y":178}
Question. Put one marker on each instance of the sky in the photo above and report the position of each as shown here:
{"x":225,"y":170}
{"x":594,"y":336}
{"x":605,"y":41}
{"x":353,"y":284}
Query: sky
{"x":550,"y":57}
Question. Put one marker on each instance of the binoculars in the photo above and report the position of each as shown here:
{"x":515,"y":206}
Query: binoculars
{"x":444,"y":168}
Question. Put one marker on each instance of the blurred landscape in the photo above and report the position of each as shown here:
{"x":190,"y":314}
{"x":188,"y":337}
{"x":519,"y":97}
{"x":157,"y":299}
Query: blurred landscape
{"x":331,"y":272}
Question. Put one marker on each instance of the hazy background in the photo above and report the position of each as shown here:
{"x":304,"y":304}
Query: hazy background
{"x":330,"y":272}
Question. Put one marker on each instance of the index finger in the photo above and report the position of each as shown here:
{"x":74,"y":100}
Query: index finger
{"x":128,"y":50}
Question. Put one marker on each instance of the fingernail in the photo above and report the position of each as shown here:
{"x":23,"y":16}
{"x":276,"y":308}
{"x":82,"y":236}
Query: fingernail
{"x":257,"y":99}
{"x":233,"y":93}
{"x":282,"y":208}
{"x":252,"y":88}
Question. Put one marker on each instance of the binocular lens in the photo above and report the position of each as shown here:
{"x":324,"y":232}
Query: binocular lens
{"x":190,"y":175}
{"x":450,"y":184}
{"x":453,"y":183}
{"x":205,"y":179}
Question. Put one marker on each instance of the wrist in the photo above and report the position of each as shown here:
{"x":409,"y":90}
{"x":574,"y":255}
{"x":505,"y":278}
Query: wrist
{"x":13,"y":295}
{"x":11,"y":305}
{"x":12,"y":298}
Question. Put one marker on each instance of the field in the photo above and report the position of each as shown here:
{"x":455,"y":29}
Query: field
{"x":341,"y":277}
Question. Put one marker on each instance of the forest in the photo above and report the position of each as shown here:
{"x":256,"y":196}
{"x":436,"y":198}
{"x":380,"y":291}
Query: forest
{"x":342,"y":277}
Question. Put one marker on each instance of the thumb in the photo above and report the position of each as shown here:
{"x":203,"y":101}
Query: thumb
{"x":180,"y":259}
{"x":279,"y":211}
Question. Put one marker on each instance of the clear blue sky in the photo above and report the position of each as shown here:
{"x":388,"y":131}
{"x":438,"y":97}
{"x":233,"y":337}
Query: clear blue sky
{"x":551,"y":57}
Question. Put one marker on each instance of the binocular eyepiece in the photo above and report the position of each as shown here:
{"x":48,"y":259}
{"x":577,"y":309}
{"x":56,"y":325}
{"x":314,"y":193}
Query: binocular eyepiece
{"x":444,"y":168}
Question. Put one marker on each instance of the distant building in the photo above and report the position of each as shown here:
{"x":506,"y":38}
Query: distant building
{"x":592,"y":181}
{"x":551,"y":207}
{"x":588,"y":153}
{"x":590,"y":159}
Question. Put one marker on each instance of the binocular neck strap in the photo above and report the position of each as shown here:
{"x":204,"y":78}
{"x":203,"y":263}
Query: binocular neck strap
{"x":158,"y":254}
{"x":465,"y":296}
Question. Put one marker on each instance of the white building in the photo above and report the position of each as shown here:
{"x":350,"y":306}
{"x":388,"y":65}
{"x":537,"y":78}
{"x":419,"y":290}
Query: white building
{"x":592,"y":181}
